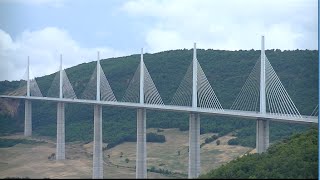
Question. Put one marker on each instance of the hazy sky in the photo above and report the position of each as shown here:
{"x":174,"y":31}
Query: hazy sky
{"x":77,"y":29}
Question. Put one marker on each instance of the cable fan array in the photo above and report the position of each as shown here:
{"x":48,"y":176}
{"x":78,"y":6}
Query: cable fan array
{"x":151,"y":94}
{"x":205,"y":94}
{"x":105,"y":89}
{"x":22,"y":89}
{"x":248,"y":98}
{"x":315,"y":111}
{"x":183,"y":95}
{"x":277,"y":99}
{"x":67,"y":90}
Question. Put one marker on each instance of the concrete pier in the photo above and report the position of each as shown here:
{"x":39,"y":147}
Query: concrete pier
{"x":141,"y":153}
{"x":194,"y":146}
{"x":262,"y":137}
{"x":141,"y":162}
{"x":60,"y":149}
{"x":97,"y":139}
{"x":262,"y":130}
{"x":97,"y":144}
{"x":28,"y":118}
{"x":28,"y":107}
{"x":194,"y":123}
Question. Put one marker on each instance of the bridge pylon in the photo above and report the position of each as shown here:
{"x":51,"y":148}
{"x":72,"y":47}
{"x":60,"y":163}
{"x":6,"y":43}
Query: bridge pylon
{"x":28,"y":118}
{"x":60,"y":147}
{"x":28,"y":107}
{"x":194,"y":146}
{"x":262,"y":129}
{"x":97,"y":144}
{"x":141,"y":162}
{"x":97,"y":140}
{"x":141,"y":153}
{"x":194,"y":124}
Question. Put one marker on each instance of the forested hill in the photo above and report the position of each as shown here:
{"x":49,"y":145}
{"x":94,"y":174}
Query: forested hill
{"x":226,"y":71}
{"x":293,"y":158}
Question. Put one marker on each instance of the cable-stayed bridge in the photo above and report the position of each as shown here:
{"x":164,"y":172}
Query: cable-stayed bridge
{"x":262,"y":98}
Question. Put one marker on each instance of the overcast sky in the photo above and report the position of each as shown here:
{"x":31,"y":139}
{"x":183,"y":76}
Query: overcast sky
{"x":77,"y":29}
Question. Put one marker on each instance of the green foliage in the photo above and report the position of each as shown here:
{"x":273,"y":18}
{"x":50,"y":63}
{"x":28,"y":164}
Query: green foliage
{"x":167,"y":172}
{"x":211,"y":139}
{"x":159,"y":130}
{"x":247,"y":136}
{"x":8,"y":125}
{"x":226,"y":72}
{"x":52,"y":156}
{"x":8,"y":86}
{"x":218,"y":142}
{"x":5,"y":143}
{"x":160,"y":170}
{"x":295,"y":157}
{"x":153,"y":137}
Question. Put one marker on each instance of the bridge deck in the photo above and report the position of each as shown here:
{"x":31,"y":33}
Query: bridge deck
{"x":225,"y":112}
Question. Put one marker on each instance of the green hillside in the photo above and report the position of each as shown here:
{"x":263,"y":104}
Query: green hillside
{"x":225,"y":70}
{"x":292,"y":158}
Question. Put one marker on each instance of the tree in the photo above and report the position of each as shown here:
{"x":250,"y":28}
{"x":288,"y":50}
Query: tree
{"x":218,"y":142}
{"x":152,"y":169}
{"x":153,"y":137}
{"x":127,"y":160}
{"x":52,"y":156}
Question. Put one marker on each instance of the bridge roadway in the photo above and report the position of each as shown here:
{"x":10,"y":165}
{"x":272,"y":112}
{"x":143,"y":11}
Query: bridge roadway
{"x":226,"y":112}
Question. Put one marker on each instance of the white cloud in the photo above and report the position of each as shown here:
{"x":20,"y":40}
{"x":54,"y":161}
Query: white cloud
{"x":229,"y":24}
{"x":44,"y":48}
{"x":154,"y":38}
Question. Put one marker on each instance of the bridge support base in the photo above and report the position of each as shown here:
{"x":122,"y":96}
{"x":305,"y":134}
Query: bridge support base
{"x":97,"y":144}
{"x":262,"y":136}
{"x":28,"y":118}
{"x":194,"y":146}
{"x":141,"y":162}
{"x":60,"y":149}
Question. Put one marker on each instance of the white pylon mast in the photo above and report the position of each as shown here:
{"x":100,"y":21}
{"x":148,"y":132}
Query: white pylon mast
{"x":194,"y":77}
{"x":98,"y":77}
{"x":61,"y":79}
{"x":262,"y":79}
{"x":28,"y":78}
{"x":141,"y":78}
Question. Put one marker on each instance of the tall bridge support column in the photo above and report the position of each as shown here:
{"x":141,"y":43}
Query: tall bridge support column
{"x":194,"y":146}
{"x":141,"y":162}
{"x":97,"y":144}
{"x":28,"y":118}
{"x":60,"y":149}
{"x":262,"y":137}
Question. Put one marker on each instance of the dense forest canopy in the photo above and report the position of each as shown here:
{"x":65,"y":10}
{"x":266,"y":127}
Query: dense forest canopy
{"x":226,"y":71}
{"x":292,"y":158}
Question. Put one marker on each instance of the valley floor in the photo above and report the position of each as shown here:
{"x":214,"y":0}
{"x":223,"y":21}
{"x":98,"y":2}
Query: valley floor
{"x":31,"y":160}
